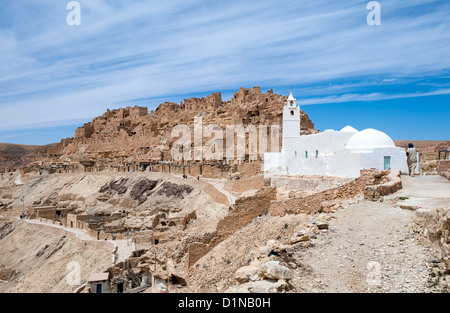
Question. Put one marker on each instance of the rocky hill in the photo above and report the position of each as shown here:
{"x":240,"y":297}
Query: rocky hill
{"x":127,"y":137}
{"x":14,"y":156}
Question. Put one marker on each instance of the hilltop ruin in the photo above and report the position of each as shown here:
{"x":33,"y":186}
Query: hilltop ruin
{"x":130,"y":138}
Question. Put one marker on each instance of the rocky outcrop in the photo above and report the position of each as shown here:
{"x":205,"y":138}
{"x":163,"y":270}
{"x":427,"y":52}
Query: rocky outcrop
{"x":141,"y":190}
{"x":173,"y":190}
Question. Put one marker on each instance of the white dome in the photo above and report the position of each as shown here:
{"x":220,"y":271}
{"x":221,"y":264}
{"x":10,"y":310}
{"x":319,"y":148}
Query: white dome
{"x":368,"y":139}
{"x":349,"y":129}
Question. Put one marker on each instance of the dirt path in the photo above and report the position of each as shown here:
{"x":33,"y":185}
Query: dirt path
{"x":369,"y":247}
{"x":219,"y":184}
{"x":124,"y":247}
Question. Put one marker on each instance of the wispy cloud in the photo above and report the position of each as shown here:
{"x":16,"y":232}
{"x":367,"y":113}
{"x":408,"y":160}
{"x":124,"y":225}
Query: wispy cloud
{"x":124,"y":51}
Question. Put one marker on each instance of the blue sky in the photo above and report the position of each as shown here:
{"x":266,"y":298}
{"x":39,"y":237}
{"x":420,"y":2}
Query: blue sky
{"x":394,"y":77}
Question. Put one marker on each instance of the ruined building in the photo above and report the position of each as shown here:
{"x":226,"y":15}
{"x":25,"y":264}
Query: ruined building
{"x":131,"y":138}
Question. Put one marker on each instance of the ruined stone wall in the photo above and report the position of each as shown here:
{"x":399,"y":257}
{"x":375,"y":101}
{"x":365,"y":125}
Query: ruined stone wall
{"x":243,"y":185}
{"x":46,"y":213}
{"x":244,"y":211}
{"x":305,"y":183}
{"x":393,"y":184}
{"x":313,"y":204}
{"x":123,"y":138}
{"x":211,"y":103}
{"x":433,"y":225}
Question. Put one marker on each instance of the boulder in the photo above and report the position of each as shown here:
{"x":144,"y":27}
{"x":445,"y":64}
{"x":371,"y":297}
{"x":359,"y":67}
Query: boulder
{"x":247,"y":273}
{"x":273,"y":270}
{"x":299,"y":237}
{"x":320,"y":225}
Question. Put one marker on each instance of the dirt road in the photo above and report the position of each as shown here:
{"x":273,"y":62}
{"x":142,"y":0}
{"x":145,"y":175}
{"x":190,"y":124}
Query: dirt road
{"x":369,"y":246}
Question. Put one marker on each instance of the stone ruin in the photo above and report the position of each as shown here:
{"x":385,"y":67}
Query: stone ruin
{"x":131,"y":139}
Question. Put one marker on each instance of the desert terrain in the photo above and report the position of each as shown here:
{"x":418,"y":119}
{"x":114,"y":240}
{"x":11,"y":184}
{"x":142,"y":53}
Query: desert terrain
{"x":217,"y":235}
{"x":112,"y":200}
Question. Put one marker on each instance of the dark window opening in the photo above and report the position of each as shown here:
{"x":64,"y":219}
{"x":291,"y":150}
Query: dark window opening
{"x":175,"y":280}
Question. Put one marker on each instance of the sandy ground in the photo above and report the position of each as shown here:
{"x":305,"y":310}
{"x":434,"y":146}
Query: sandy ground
{"x":368,"y":248}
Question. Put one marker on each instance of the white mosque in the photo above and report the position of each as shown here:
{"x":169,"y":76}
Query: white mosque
{"x":331,"y":153}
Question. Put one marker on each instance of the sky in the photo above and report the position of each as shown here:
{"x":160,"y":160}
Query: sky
{"x":394,"y":77}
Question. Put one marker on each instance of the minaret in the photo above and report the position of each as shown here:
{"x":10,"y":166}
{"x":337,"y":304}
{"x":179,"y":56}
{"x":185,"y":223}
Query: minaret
{"x":291,"y":119}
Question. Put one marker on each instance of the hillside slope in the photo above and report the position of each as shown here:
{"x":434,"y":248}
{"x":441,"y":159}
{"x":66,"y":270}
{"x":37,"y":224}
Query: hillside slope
{"x":15,"y":156}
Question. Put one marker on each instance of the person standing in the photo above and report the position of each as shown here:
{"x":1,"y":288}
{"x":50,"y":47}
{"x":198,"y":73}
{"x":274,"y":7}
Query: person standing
{"x":411,"y":155}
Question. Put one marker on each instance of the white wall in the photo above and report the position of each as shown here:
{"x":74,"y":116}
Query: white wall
{"x":333,"y":159}
{"x":375,"y":159}
{"x":326,"y":163}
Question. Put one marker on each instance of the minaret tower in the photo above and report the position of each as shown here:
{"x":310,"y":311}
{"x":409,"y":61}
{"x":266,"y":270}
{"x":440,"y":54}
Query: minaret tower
{"x":291,"y":120}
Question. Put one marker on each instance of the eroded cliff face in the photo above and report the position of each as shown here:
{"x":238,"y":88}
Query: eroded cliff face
{"x":130,"y":136}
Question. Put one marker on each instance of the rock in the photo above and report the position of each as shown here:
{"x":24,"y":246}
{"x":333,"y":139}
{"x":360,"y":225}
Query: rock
{"x":273,"y":270}
{"x":320,"y":225}
{"x":312,"y":229}
{"x":292,"y":265}
{"x":103,"y":197}
{"x":7,"y":274}
{"x":170,"y":189}
{"x":115,"y":185}
{"x":409,"y":207}
{"x":247,"y":273}
{"x":424,"y":213}
{"x":141,"y":187}
{"x":299,"y":237}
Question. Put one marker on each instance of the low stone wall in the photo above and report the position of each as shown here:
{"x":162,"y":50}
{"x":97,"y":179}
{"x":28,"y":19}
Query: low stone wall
{"x":308,"y":183}
{"x":313,"y":204}
{"x":245,"y":210}
{"x":393,"y":184}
